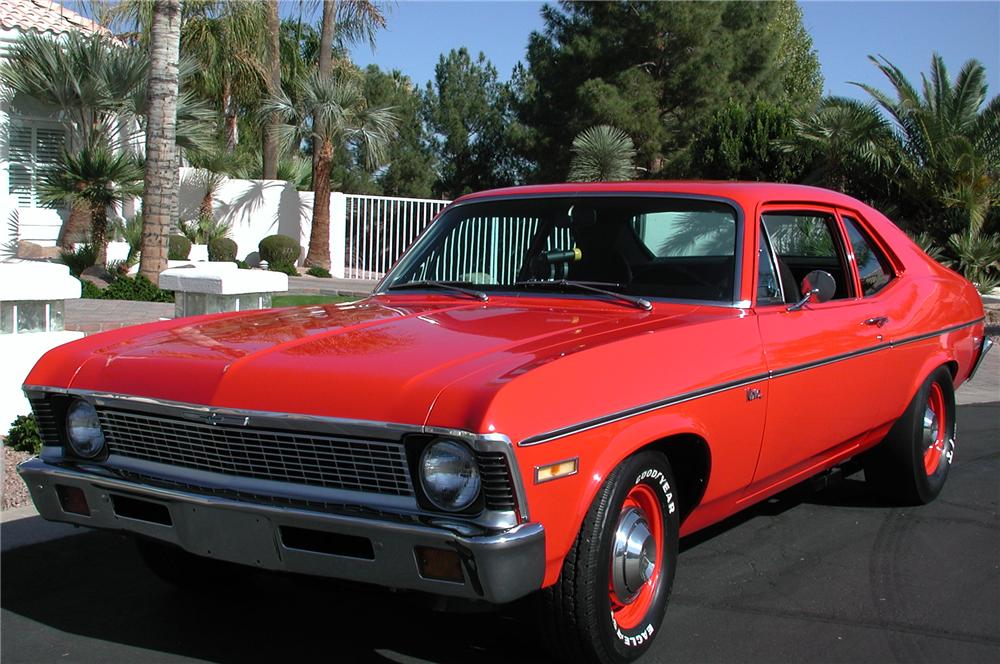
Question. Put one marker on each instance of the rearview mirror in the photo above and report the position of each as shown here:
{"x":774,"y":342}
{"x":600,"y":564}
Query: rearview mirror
{"x":817,"y":286}
{"x":578,"y":216}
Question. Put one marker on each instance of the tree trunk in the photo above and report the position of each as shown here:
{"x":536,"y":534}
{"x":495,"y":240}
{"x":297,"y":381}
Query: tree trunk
{"x":270,"y":146}
{"x":319,"y":235}
{"x":327,"y":33}
{"x":160,"y":193}
{"x":207,"y":203}
{"x":74,"y":229}
{"x":99,"y":235}
{"x":230,"y":119}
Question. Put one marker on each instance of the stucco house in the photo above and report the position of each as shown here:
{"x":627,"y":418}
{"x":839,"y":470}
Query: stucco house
{"x":31,"y":135}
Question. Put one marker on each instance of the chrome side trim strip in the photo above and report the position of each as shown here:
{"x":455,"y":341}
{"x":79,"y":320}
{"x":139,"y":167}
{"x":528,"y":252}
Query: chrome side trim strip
{"x":714,"y":389}
{"x":638,"y":410}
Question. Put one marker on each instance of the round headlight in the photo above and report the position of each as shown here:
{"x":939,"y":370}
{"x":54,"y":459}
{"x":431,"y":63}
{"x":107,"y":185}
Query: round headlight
{"x":449,"y":475}
{"x":83,"y":428}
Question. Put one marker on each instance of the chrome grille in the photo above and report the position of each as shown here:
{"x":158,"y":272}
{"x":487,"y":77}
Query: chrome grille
{"x":498,"y":489}
{"x":48,"y":429}
{"x":316,"y":460}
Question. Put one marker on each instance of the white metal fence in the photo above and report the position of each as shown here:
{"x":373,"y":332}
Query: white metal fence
{"x":378,"y":229}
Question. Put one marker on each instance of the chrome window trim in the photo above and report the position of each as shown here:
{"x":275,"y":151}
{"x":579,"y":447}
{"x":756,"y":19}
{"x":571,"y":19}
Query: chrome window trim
{"x":319,"y":424}
{"x":740,"y":241}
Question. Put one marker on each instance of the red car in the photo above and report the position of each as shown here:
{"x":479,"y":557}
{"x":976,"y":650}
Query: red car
{"x":551,"y":387}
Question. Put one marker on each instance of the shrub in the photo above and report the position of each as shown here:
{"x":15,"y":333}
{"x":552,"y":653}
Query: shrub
{"x":279,"y":250}
{"x":204,"y":229}
{"x":321,"y":272}
{"x":976,"y":254}
{"x":23,"y":435}
{"x":222,"y":249}
{"x":242,"y":265}
{"x":287,"y":268}
{"x":80,"y":259}
{"x":139,"y":289}
{"x":179,"y":248}
{"x":90,"y":291}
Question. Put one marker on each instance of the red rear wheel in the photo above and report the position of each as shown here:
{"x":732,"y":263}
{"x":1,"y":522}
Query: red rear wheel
{"x":934,"y":429}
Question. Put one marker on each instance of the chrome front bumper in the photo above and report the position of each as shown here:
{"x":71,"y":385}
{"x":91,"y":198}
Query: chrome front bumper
{"x":984,"y":348}
{"x":496,"y":567}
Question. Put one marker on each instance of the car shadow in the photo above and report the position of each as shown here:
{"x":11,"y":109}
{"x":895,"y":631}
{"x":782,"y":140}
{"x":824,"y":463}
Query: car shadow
{"x":96,"y":586}
{"x":832,"y":491}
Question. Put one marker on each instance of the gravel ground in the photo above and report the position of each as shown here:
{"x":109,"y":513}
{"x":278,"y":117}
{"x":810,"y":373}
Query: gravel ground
{"x":15,"y":493}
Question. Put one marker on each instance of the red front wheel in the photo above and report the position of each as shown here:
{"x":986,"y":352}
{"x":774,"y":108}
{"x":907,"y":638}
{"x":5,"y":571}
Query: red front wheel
{"x":611,"y":597}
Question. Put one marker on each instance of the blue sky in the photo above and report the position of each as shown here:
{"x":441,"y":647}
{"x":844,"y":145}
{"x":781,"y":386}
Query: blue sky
{"x":844,"y":34}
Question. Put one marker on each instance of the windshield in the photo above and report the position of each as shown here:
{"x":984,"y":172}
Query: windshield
{"x":643,"y":246}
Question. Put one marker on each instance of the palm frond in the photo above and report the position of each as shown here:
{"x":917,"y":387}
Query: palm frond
{"x":602,"y":153}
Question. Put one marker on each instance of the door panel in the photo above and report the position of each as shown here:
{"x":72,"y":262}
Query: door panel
{"x":825,"y":359}
{"x":826,"y":365}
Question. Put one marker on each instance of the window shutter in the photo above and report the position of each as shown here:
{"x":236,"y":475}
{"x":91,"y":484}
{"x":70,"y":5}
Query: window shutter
{"x":31,"y":149}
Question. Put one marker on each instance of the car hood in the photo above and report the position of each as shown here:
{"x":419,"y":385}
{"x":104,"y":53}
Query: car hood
{"x":383,"y":359}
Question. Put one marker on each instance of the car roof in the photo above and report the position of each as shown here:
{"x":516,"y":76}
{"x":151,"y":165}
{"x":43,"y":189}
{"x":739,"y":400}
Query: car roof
{"x":746,"y":193}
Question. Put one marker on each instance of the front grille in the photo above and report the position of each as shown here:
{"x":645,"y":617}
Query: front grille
{"x":498,"y":489}
{"x":46,"y":419}
{"x":316,"y":460}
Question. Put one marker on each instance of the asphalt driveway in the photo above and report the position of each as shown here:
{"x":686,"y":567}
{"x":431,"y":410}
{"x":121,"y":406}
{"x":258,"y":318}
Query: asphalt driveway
{"x":810,"y":576}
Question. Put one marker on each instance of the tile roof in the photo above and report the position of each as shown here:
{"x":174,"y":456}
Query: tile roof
{"x":44,"y":16}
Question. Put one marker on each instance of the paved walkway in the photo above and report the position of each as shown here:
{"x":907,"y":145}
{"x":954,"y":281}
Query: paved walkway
{"x":91,"y":316}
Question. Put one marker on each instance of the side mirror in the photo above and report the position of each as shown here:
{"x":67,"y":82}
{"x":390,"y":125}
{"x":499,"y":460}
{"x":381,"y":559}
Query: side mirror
{"x":819,"y":286}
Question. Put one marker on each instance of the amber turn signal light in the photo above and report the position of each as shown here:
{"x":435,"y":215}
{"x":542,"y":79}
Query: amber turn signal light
{"x":440,"y":564}
{"x":73,"y":500}
{"x":554,"y":471}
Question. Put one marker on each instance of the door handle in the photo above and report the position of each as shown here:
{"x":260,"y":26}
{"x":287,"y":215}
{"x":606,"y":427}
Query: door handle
{"x":877,"y":321}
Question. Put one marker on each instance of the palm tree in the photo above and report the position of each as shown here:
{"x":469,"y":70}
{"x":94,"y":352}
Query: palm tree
{"x":100,"y":92}
{"x":939,"y":147}
{"x":336,"y":115}
{"x":269,"y":151}
{"x":602,"y":154}
{"x":160,"y":193}
{"x":98,"y":178}
{"x":229,"y":42}
{"x":85,"y":79}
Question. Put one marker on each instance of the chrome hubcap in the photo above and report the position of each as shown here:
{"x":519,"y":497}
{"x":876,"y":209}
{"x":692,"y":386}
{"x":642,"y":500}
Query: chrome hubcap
{"x":633,"y":559}
{"x":930,"y":427}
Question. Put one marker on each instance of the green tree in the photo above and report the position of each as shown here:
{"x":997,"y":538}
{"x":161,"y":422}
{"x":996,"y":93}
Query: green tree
{"x":469,"y":113}
{"x":743,"y":141}
{"x":97,"y":177}
{"x":795,"y":58}
{"x":602,"y":154}
{"x":336,"y":115}
{"x":656,"y":70}
{"x":410,"y":166}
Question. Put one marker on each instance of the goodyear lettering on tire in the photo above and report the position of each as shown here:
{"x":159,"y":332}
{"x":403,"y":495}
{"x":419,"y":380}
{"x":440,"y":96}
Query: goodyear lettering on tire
{"x":661,"y":479}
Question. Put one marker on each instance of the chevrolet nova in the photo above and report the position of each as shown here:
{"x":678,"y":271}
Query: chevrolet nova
{"x":550,"y":388}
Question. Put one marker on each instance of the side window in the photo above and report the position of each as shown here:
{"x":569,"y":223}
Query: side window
{"x":768,"y":289}
{"x":807,"y":241}
{"x":873,"y":266}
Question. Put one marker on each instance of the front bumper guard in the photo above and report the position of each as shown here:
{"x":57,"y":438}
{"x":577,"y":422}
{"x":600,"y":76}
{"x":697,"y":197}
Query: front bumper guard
{"x":497,"y":568}
{"x":984,"y":348}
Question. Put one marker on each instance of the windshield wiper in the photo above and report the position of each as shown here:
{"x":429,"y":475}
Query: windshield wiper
{"x":479,"y":295}
{"x":592,"y":287}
